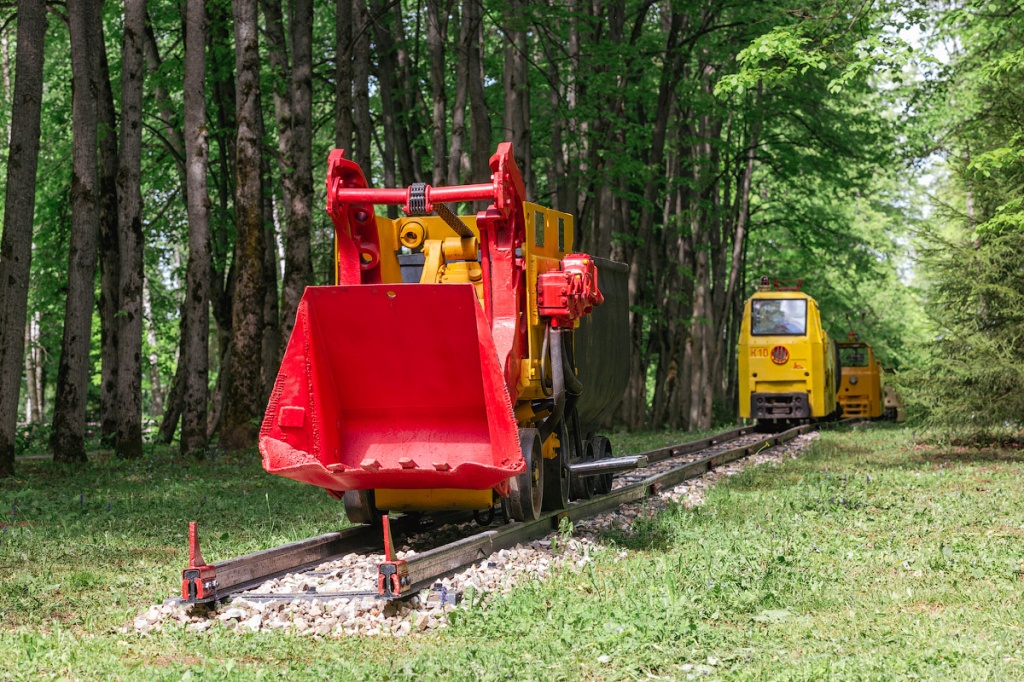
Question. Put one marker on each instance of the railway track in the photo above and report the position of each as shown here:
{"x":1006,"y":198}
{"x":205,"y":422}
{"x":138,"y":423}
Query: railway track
{"x":312,"y":564}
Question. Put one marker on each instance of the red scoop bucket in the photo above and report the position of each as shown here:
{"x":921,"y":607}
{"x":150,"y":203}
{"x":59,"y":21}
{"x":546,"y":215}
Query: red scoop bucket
{"x":391,"y":386}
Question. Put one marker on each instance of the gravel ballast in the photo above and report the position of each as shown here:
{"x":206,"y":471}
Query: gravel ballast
{"x":500,"y":572}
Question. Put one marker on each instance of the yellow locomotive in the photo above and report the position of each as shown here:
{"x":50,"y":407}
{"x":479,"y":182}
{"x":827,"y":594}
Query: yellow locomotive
{"x":788,"y":365}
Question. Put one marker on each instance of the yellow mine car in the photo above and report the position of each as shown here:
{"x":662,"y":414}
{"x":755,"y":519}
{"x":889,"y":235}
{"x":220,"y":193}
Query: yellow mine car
{"x":860,"y":391}
{"x":863,"y":391}
{"x":788,"y":365}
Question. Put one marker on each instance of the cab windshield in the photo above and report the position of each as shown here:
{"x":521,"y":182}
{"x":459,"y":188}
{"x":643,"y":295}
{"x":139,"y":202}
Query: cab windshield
{"x":853,"y":356}
{"x":778,"y":317}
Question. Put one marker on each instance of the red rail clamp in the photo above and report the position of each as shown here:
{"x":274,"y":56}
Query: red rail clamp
{"x":392,"y":574}
{"x":199,"y":580}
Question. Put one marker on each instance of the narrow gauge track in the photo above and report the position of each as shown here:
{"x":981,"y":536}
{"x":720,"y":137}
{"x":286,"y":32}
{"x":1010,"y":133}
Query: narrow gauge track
{"x":666,"y":467}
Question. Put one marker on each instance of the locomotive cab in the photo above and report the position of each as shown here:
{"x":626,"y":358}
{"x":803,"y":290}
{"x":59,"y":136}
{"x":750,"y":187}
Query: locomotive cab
{"x":788,"y":368}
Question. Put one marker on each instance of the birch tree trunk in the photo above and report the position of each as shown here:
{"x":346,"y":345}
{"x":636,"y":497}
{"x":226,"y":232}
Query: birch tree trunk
{"x":67,"y":441}
{"x":19,"y":216}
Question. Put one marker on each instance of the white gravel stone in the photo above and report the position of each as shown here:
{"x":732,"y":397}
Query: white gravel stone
{"x":232,"y":614}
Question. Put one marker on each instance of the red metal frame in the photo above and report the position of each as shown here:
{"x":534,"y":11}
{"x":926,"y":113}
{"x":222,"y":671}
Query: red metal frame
{"x":387,"y":385}
{"x":502,"y":229}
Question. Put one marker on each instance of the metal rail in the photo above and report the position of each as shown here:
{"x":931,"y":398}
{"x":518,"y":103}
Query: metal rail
{"x":243,"y":573}
{"x":425,"y":568}
{"x":239,"y":575}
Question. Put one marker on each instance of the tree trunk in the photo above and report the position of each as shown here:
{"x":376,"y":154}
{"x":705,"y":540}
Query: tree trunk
{"x":271,"y":337}
{"x":437,"y":28}
{"x":361,"y":90}
{"x":129,"y":212}
{"x":175,"y":398}
{"x":5,"y":70}
{"x":556,"y":170}
{"x":387,"y":68}
{"x":67,"y":441}
{"x":19,"y":216}
{"x":110,"y":257}
{"x":479,"y":118}
{"x":298,"y":265}
{"x":156,"y":391}
{"x":569,"y":199}
{"x":343,"y":76}
{"x":166,"y":109}
{"x":277,"y":53}
{"x":32,"y":388}
{"x":243,"y":397}
{"x":634,"y":407}
{"x":408,"y":96}
{"x":459,"y":107}
{"x":517,"y":93}
{"x":222,"y":275}
{"x":196,"y":347}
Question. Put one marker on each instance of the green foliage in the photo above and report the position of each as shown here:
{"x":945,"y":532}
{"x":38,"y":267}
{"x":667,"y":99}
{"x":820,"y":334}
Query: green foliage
{"x":976,"y":370}
{"x":970,"y":245}
{"x":815,"y":91}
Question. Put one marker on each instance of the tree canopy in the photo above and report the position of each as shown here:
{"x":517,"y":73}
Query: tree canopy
{"x":872,"y":150}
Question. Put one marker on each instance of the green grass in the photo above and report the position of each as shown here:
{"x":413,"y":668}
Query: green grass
{"x":871,"y":557}
{"x":644,"y":441}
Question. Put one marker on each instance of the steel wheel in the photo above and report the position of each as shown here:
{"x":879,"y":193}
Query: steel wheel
{"x":360,"y":507}
{"x":524,"y":501}
{"x":556,"y":473}
{"x":582,"y":487}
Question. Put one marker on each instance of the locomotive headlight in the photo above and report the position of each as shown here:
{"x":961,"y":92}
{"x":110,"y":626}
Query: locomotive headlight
{"x":853,"y":381}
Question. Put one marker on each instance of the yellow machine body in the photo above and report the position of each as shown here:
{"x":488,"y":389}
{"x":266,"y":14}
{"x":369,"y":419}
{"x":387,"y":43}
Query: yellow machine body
{"x":787,"y":361}
{"x":893,"y":405}
{"x":860,"y":392}
{"x":426,"y":250}
{"x":436,"y":499}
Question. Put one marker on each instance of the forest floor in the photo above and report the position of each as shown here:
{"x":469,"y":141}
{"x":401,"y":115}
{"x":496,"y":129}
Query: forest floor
{"x":876,"y":554}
